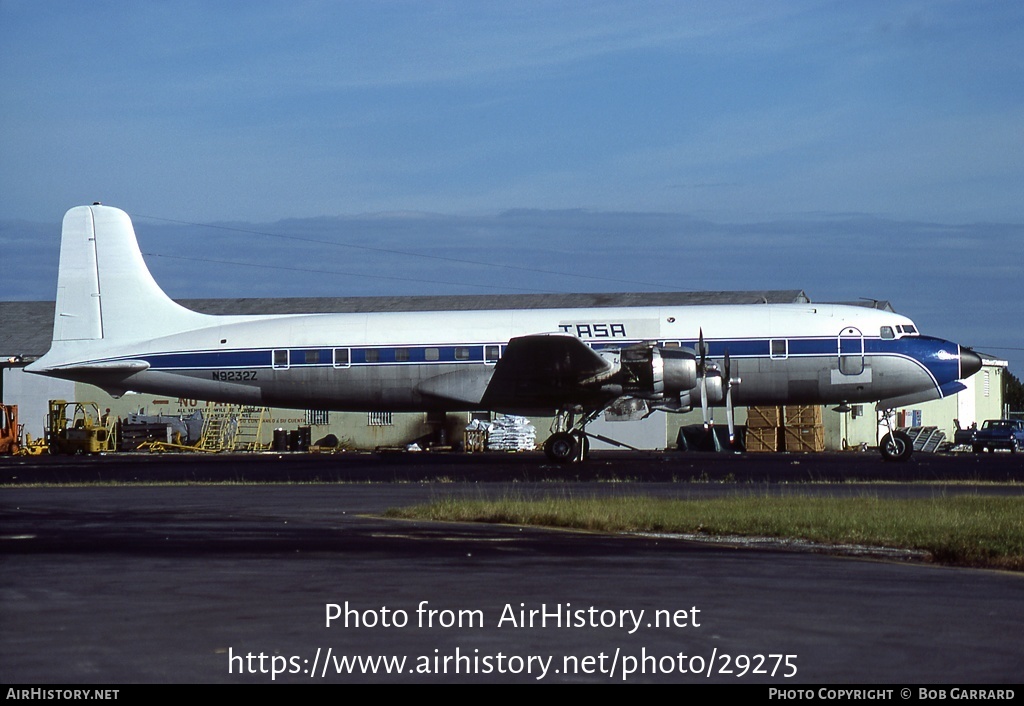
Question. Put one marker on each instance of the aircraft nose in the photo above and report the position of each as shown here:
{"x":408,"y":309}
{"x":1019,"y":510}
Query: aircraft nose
{"x":970,"y":362}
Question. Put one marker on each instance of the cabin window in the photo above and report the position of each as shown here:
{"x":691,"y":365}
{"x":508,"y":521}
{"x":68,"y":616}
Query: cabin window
{"x":779,"y":348}
{"x":401,"y":355}
{"x":462,"y":353}
{"x":341,"y":358}
{"x":671,"y":344}
{"x":280,"y":358}
{"x":887,"y":333}
{"x":372,"y":355}
{"x":431,"y":354}
{"x":312,"y":357}
{"x":491,"y":354}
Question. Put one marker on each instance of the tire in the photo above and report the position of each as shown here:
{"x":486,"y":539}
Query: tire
{"x":561,"y":447}
{"x":896,"y":447}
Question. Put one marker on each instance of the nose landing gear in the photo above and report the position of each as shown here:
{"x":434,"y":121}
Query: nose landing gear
{"x":895,"y":445}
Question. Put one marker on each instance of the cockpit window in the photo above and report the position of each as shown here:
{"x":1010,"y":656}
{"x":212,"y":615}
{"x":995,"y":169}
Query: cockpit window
{"x":887,"y":332}
{"x":909,"y":329}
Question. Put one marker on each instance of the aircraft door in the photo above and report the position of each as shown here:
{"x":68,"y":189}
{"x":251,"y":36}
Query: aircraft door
{"x":851,"y":351}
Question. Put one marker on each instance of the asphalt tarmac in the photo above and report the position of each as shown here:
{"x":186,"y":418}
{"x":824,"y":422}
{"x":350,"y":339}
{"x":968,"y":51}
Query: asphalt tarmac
{"x":131,"y":569}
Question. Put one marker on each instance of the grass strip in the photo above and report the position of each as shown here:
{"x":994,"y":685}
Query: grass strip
{"x":963,"y":530}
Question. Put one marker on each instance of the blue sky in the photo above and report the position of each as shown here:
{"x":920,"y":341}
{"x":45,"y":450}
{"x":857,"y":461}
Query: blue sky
{"x":860,"y":133}
{"x":257,"y":111}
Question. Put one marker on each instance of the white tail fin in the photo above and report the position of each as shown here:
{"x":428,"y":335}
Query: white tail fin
{"x":104,"y":289}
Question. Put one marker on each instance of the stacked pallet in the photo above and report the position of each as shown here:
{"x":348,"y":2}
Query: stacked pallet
{"x":506,"y":433}
{"x":134,"y":434}
{"x":764,"y":429}
{"x":511,"y":433}
{"x":804,"y":431}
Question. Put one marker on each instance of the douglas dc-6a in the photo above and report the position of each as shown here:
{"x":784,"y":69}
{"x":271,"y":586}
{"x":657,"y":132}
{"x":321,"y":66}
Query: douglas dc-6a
{"x":116,"y":329}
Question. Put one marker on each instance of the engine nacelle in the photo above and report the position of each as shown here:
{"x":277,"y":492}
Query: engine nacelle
{"x":653,"y":372}
{"x":679,"y":370}
{"x":715,"y":387}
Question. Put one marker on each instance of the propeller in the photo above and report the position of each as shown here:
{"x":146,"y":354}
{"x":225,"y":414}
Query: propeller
{"x":703,"y":370}
{"x":729,"y":415}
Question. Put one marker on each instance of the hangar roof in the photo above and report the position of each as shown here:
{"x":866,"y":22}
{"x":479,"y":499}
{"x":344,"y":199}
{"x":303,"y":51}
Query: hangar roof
{"x":25,"y":327}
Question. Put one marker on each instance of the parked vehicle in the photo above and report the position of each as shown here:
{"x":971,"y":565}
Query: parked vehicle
{"x":999,"y":434}
{"x":78,"y":428}
{"x":9,"y":433}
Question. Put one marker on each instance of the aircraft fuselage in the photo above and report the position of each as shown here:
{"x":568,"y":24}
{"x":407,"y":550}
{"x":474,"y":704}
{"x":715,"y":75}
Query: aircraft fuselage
{"x":782,"y":354}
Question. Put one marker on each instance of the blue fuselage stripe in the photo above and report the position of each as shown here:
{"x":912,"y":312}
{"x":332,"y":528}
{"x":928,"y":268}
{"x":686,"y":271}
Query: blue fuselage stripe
{"x":940,"y":358}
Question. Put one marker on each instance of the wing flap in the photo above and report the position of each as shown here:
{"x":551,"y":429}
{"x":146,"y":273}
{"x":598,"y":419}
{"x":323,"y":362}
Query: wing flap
{"x":461,"y":386}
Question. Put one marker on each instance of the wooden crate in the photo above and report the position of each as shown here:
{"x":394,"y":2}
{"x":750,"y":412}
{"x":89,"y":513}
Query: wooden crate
{"x":475,"y":440}
{"x":764,"y":417}
{"x":762,"y":439}
{"x":805,"y":439}
{"x":803,"y":415}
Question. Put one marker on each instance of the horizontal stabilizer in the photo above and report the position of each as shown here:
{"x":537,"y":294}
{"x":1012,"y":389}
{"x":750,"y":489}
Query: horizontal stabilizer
{"x":114,"y":366}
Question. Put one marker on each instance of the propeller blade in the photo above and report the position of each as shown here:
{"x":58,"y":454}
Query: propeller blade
{"x":729,"y":417}
{"x":702,"y":369}
{"x":704,"y":399}
{"x":729,"y":413}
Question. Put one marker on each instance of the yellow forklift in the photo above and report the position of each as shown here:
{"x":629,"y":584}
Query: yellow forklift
{"x":79,"y":428}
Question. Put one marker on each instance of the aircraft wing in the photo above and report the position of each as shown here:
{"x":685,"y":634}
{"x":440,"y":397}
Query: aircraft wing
{"x":545,"y":370}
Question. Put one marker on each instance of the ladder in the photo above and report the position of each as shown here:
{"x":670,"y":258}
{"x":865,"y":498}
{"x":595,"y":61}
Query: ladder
{"x":249,"y":428}
{"x":927,"y":439}
{"x":220,"y":425}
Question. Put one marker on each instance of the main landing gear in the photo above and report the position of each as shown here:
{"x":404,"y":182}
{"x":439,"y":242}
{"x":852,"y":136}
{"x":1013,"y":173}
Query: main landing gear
{"x":567,"y":446}
{"x":570,"y":441}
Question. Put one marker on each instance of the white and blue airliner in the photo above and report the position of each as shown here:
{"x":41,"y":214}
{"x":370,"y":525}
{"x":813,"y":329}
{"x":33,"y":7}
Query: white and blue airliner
{"x":115,"y":328}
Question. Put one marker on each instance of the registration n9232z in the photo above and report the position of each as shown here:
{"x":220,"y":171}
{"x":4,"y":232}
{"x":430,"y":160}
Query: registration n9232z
{"x":233,"y":375}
